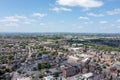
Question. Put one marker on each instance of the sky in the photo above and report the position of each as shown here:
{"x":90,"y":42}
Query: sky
{"x":81,"y":16}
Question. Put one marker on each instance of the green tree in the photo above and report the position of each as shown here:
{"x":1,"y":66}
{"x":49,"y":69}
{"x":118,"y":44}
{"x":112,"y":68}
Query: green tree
{"x":56,"y":74}
{"x":10,"y":57}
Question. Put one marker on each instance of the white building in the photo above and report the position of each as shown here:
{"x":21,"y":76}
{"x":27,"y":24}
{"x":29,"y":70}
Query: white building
{"x":87,"y":75}
{"x":24,"y":78}
{"x":49,"y":78}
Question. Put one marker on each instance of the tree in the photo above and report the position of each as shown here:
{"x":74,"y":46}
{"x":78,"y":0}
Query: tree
{"x":43,"y":66}
{"x":118,"y":71}
{"x":56,"y":74}
{"x":47,"y":66}
{"x":19,"y":71}
{"x":2,"y":72}
{"x":39,"y":66}
{"x":23,"y":44}
{"x":94,"y":60}
{"x":54,"y":53}
{"x":10,"y":57}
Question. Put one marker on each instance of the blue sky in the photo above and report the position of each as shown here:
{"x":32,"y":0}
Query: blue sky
{"x":94,"y":16}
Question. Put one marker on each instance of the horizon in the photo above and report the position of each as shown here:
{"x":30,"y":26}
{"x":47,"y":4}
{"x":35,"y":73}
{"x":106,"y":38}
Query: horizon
{"x":60,"y":16}
{"x":54,"y":33}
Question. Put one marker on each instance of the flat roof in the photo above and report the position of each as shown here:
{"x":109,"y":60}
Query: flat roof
{"x":87,"y":75}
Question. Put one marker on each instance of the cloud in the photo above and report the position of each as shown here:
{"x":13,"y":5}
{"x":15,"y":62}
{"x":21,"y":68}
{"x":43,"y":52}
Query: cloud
{"x":113,"y":12}
{"x":95,"y":15}
{"x":28,"y":21}
{"x":118,"y":20}
{"x":10,"y":19}
{"x":77,"y":26}
{"x":80,"y":27}
{"x":118,"y":27}
{"x":61,"y":9}
{"x":42,"y":24}
{"x":103,"y":28}
{"x":81,"y":3}
{"x":88,"y":22}
{"x":62,"y":21}
{"x":103,"y":22}
{"x":11,"y":24}
{"x":84,"y":18}
{"x":106,"y":13}
{"x":39,"y":15}
{"x":15,"y":20}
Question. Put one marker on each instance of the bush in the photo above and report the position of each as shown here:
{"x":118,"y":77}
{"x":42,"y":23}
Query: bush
{"x":43,"y":66}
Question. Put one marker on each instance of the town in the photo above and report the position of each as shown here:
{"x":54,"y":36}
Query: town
{"x":59,"y":56}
